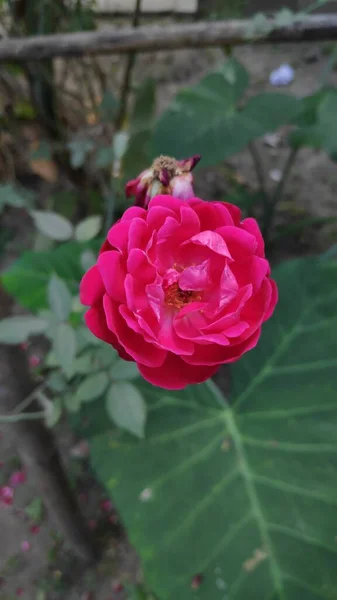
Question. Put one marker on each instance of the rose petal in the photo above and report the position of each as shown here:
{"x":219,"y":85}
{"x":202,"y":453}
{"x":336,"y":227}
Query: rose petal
{"x":252,"y":227}
{"x":139,"y":266}
{"x":133,"y":213}
{"x":273,"y":300}
{"x":214,"y":354}
{"x":213,"y":241}
{"x":118,"y":235}
{"x":133,"y":343}
{"x":240,"y":243}
{"x":157,"y":215}
{"x":195,"y":278}
{"x":168,"y":338}
{"x":96,"y":322}
{"x":234,"y":211}
{"x":168,"y":202}
{"x":111,"y":266}
{"x":175,"y":374}
{"x":138,"y":234}
{"x":91,"y":287}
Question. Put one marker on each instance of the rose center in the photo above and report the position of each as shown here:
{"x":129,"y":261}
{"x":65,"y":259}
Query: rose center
{"x":176,"y":297}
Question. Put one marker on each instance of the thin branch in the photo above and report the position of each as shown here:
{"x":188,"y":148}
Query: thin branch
{"x":168,"y":37}
{"x":258,"y":164}
{"x":30,"y":398}
{"x":278,"y":194}
{"x":26,"y":416}
{"x":131,"y":59}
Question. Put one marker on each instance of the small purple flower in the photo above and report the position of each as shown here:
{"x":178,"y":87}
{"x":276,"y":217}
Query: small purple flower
{"x":283,"y":75}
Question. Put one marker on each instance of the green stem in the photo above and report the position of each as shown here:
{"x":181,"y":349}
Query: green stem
{"x":27,"y":416}
{"x":314,"y":6}
{"x":32,"y":396}
{"x":258,"y":165}
{"x":329,"y":67}
{"x":278,"y":194}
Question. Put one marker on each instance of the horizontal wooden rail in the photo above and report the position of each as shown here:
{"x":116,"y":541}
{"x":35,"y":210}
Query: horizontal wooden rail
{"x":163,"y":37}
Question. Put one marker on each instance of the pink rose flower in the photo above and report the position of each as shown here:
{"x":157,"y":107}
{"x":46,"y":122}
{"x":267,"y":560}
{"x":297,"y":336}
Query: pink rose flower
{"x":166,"y":176}
{"x":180,"y":288}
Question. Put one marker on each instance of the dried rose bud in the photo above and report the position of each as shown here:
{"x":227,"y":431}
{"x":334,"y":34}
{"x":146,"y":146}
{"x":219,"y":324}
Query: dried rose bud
{"x":166,"y":176}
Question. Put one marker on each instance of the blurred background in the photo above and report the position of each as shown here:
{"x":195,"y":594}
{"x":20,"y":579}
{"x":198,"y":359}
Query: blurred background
{"x":73,"y":131}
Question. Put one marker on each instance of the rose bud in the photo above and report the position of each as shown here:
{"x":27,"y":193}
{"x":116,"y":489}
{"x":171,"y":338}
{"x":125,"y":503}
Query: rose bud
{"x":180,"y":288}
{"x":166,"y":176}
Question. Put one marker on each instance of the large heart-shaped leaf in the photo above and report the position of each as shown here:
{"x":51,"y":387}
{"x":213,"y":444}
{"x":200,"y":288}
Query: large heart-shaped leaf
{"x":27,"y":279}
{"x":317,"y":123}
{"x":239,"y":501}
{"x":206,"y":118}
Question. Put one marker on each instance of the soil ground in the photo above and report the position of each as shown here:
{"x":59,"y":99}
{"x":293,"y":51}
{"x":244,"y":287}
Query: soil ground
{"x":45,"y":570}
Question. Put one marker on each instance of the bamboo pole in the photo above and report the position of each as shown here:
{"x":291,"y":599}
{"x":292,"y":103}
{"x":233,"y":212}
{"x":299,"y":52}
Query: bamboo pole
{"x":166,"y":37}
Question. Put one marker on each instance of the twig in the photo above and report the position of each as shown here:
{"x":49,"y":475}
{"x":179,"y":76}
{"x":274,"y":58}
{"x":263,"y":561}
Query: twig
{"x":29,"y":416}
{"x":131,"y":59}
{"x":258,"y":164}
{"x":278,"y":193}
{"x":87,"y":83}
{"x":314,"y":6}
{"x":100,"y":74}
{"x":285,"y":175}
{"x":169,"y":37}
{"x":30,"y":398}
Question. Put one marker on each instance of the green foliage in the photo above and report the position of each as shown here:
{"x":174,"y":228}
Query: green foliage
{"x":88,"y":228}
{"x":123,"y":369}
{"x":241,"y":493}
{"x":53,"y":410}
{"x":27,"y":279}
{"x":59,"y":297}
{"x":104,"y":157}
{"x":52,"y":225}
{"x":223,"y":500}
{"x":64,"y":347}
{"x":11,"y":195}
{"x":79,"y":150}
{"x":14,"y":330}
{"x":88,"y":260}
{"x":126,"y":407}
{"x":317,"y":123}
{"x":35,"y":510}
{"x":92,"y":387}
{"x":108,"y":107}
{"x":206,"y":118}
